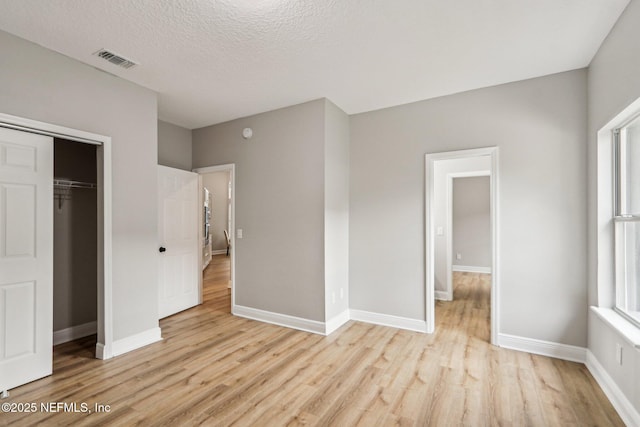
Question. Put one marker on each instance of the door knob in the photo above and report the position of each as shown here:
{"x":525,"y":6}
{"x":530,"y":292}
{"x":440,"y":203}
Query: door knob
{"x":162,"y":249}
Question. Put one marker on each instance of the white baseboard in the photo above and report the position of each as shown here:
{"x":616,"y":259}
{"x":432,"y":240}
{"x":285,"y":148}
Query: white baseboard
{"x":443,"y":295}
{"x":219,"y":252}
{"x":74,"y":332}
{"x":471,"y":269}
{"x":102,"y":353}
{"x":623,"y":406}
{"x":331,"y":325}
{"x":136,"y":341}
{"x":544,"y":348}
{"x":293,"y":322}
{"x":389,"y":320}
{"x":335,"y":322}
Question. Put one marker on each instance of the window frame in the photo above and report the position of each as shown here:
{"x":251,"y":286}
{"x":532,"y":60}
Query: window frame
{"x":620,"y":220}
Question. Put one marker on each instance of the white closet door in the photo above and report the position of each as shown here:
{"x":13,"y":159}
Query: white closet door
{"x":178,"y":232}
{"x":26,"y":257}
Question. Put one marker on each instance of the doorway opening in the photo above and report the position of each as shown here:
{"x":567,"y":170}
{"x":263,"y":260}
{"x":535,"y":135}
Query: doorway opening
{"x":466,"y":305}
{"x":442,"y":171}
{"x":218,"y":225}
{"x":468,"y":225}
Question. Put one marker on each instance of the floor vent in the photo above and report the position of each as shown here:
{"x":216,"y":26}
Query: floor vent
{"x":115,"y":59}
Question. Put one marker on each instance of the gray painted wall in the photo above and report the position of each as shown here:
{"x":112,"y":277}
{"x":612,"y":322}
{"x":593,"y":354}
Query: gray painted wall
{"x":539,"y":126}
{"x":292,"y":203}
{"x":40,"y":84}
{"x":279,"y":206}
{"x":75,"y":243}
{"x":174,"y":146}
{"x":218,"y":184}
{"x":471,"y":222}
{"x":614,"y":83}
{"x":336,"y":210}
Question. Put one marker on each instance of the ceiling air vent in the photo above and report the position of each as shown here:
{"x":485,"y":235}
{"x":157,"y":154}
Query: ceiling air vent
{"x":115,"y":59}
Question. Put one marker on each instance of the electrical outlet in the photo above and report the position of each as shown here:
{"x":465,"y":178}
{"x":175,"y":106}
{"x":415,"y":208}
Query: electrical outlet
{"x":619,"y":354}
{"x":239,"y":233}
{"x":458,"y":255}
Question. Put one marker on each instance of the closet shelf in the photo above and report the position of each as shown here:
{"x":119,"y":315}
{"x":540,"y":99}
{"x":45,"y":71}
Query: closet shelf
{"x":67,"y":183}
{"x":62,"y":189}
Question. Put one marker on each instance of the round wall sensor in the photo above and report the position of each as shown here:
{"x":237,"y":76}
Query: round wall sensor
{"x":247,"y":133}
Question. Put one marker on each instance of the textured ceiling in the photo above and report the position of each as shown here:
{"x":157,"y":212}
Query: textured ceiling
{"x":215,"y":60}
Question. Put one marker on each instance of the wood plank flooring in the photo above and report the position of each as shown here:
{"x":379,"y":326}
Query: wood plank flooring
{"x":219,"y":370}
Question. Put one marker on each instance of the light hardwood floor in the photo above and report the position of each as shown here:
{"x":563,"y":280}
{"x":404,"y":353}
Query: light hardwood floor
{"x":219,"y":370}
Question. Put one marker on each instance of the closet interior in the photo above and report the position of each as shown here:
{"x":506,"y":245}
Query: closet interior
{"x":75,"y":223}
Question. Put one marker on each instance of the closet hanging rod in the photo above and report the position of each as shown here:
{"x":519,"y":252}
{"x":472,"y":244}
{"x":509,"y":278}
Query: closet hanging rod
{"x":67,"y":183}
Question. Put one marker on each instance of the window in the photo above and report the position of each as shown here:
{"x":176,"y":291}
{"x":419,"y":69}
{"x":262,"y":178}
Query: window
{"x":627,"y":219}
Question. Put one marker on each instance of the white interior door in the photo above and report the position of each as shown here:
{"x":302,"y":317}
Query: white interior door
{"x":178,"y":232}
{"x":26,"y":257}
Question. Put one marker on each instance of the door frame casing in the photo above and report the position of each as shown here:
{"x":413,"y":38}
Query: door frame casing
{"x":104,"y":346}
{"x":430,"y":160}
{"x":231,"y":168}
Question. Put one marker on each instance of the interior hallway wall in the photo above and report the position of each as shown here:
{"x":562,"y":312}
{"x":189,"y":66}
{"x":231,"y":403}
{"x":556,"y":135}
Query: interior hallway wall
{"x":292,"y":203}
{"x":279,"y":206}
{"x":471,"y":222}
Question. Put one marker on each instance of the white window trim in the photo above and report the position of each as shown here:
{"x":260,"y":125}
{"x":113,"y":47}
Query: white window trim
{"x":605,"y":298}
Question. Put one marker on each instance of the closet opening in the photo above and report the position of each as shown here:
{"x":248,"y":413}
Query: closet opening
{"x":29,"y":171}
{"x":75,"y":248}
